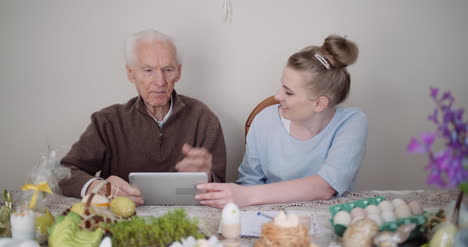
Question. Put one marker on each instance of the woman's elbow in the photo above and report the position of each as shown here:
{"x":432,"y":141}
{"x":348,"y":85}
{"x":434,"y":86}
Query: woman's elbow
{"x":327,"y":193}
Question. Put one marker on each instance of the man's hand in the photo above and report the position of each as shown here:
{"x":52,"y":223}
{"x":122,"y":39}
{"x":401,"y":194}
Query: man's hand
{"x":196,"y":160}
{"x":121,"y":186}
{"x":219,"y":194}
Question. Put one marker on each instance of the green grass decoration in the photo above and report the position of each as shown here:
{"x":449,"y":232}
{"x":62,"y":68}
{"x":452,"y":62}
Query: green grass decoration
{"x":155,"y":231}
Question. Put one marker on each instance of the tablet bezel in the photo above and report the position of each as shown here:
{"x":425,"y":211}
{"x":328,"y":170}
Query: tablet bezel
{"x":168,"y":188}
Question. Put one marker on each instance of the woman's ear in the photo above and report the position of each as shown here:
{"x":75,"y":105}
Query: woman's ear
{"x":321,"y":103}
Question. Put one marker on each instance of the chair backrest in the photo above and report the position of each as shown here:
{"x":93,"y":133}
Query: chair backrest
{"x":262,"y":105}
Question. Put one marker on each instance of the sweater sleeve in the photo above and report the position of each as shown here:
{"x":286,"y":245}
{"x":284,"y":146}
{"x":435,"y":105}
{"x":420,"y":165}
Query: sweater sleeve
{"x":214,"y":142}
{"x":346,"y":154}
{"x":85,"y":158}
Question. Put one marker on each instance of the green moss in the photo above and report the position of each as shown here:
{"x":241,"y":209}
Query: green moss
{"x":154,"y":231}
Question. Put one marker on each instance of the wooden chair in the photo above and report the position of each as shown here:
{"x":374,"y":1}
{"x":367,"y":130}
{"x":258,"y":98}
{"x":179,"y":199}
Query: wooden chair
{"x":262,"y":105}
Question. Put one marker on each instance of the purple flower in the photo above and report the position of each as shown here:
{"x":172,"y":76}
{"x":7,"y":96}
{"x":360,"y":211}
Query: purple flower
{"x":423,"y":146}
{"x":434,"y":92}
{"x":447,"y":167}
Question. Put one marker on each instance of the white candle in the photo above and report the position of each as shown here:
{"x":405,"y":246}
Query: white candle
{"x":23,"y":225}
{"x":230,"y":221}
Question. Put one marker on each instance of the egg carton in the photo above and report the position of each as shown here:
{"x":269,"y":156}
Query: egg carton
{"x":391,"y":226}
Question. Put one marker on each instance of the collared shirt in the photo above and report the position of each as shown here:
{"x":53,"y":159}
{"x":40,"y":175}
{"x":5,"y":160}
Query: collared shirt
{"x":168,"y":114}
{"x":160,"y":123}
{"x":121,"y":139}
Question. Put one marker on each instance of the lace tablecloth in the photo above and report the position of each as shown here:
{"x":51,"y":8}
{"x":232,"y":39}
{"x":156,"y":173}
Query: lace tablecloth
{"x":325,"y":236}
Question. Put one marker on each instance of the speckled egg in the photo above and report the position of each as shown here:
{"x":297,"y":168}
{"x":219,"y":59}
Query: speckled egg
{"x":415,"y":207}
{"x":397,"y":201}
{"x":386,"y":206}
{"x":388,"y":216}
{"x":402,"y":211}
{"x":376,"y":218}
{"x":358,"y":213}
{"x":372,"y":209}
{"x":342,"y":218}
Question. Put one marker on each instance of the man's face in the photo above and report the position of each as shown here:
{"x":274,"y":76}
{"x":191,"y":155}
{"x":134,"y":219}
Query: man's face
{"x":155,"y":71}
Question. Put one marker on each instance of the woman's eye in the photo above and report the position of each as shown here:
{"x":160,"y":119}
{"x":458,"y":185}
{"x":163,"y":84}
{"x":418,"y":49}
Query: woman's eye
{"x":288,"y":93}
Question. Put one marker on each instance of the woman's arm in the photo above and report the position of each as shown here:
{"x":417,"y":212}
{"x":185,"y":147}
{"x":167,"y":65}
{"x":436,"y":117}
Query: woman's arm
{"x":302,"y":189}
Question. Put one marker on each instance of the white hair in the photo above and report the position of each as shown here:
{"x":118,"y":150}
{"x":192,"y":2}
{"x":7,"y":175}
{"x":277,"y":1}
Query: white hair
{"x":148,"y":35}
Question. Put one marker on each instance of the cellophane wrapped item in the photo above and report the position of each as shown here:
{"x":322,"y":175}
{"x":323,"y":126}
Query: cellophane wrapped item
{"x":40,"y":187}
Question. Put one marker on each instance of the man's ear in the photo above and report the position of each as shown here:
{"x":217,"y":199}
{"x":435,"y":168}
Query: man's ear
{"x":179,"y":67}
{"x":321,"y":103}
{"x":130,"y":73}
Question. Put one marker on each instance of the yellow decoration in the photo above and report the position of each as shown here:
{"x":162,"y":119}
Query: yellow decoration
{"x":42,"y":186}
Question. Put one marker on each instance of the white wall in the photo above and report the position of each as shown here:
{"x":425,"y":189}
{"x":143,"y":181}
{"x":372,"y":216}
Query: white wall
{"x":62,"y":60}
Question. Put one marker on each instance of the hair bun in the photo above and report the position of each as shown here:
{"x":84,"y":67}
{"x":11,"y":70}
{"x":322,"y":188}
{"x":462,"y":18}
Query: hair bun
{"x":339,"y":51}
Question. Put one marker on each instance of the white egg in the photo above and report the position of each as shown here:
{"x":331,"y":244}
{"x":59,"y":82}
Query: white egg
{"x":342,"y":218}
{"x":386,"y":206}
{"x":106,"y":242}
{"x":376,"y":218}
{"x":230,"y":214}
{"x":402,"y":211}
{"x":283,"y":220}
{"x":388,"y":216}
{"x":372,"y":209}
{"x":358,"y":213}
{"x":415,"y":207}
{"x":397,"y":202}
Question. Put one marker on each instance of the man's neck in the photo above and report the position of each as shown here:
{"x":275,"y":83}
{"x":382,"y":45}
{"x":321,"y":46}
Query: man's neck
{"x":159,"y":112}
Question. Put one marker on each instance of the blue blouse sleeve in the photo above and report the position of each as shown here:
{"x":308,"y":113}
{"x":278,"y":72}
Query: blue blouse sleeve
{"x":346,"y":153}
{"x":250,"y":170}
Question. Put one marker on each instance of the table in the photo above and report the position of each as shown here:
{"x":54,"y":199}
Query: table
{"x":210,"y":217}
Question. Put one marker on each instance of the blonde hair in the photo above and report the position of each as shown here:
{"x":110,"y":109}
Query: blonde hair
{"x":328,"y":64}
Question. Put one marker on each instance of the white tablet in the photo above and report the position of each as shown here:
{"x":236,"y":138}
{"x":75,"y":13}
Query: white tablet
{"x":168,"y":188}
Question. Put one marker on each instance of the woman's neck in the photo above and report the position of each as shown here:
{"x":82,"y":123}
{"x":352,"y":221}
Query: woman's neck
{"x":307,"y":129}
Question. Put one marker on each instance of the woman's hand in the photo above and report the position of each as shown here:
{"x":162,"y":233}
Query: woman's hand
{"x":219,"y":194}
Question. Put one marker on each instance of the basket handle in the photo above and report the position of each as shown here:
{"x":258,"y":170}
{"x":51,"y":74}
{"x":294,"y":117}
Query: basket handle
{"x":97,"y":189}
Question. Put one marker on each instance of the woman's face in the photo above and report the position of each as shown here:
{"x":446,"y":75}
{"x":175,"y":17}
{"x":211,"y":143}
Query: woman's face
{"x":297,"y":102}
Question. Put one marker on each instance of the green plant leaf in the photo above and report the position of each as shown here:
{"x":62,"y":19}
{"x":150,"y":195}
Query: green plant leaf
{"x":464,"y":187}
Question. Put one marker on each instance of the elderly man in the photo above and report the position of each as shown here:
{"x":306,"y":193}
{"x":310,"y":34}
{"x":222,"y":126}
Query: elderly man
{"x":158,"y":131}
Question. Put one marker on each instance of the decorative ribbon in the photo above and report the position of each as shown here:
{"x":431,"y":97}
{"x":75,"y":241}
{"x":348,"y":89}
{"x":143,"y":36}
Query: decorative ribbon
{"x":42,"y":186}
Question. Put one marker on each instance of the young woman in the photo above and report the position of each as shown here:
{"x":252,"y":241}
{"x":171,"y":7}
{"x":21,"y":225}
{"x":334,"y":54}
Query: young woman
{"x":306,"y":148}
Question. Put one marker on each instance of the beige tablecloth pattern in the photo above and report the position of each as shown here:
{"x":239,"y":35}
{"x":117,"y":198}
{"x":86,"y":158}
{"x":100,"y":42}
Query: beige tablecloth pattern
{"x":210,"y":217}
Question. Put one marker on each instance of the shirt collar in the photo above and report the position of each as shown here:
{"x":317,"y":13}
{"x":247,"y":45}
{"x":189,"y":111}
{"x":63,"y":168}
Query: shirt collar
{"x":168,"y":114}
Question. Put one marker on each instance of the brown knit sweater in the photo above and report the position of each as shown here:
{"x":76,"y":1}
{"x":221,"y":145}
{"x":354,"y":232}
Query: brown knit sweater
{"x":125,"y":138}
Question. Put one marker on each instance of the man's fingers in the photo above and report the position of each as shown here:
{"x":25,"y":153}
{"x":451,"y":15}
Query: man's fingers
{"x":123,"y":186}
{"x":130,"y":190}
{"x":138,"y":200}
{"x":186,"y":149}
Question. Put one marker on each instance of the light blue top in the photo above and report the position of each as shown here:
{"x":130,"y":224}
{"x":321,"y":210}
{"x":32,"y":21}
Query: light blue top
{"x":335,"y":154}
